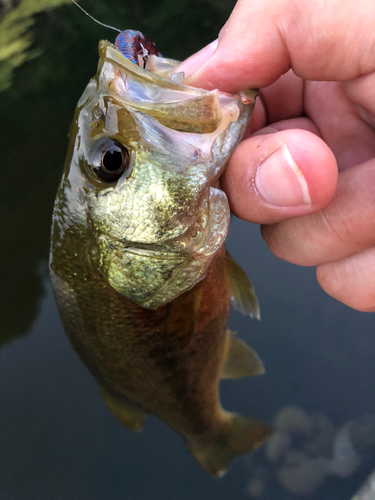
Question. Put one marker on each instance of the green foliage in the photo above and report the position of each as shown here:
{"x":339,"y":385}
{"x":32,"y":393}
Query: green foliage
{"x":16,"y":36}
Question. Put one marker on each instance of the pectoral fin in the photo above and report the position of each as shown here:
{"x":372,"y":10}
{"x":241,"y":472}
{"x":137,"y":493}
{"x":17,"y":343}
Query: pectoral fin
{"x":129,"y":415}
{"x":239,"y":435}
{"x":241,"y":360}
{"x":241,"y":290}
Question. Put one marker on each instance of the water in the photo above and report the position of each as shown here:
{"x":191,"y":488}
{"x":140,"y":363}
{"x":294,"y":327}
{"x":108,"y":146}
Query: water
{"x":58,"y":440}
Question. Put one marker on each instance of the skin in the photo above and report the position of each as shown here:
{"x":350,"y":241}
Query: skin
{"x":314,"y":61}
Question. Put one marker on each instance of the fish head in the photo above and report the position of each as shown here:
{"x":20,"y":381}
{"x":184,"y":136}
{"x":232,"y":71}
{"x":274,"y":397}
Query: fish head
{"x":142,"y":176}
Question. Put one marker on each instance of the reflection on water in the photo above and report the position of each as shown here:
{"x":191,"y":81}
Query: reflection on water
{"x":16,"y":37}
{"x":367,"y":491}
{"x":305,"y":449}
{"x":58,"y":439}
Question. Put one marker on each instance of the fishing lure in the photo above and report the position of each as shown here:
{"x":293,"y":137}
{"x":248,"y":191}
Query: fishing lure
{"x":130,"y":43}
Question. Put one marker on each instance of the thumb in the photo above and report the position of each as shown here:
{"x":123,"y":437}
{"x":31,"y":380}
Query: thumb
{"x":275,"y":175}
{"x":318,"y":39}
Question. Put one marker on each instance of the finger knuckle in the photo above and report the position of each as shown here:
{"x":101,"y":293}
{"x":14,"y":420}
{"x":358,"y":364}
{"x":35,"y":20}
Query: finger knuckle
{"x":337,"y":284}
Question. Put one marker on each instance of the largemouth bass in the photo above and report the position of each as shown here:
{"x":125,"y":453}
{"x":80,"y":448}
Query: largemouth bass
{"x":140,"y":273}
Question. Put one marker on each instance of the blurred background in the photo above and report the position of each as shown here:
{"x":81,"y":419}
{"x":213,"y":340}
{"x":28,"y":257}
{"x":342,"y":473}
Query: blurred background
{"x":57,"y":439}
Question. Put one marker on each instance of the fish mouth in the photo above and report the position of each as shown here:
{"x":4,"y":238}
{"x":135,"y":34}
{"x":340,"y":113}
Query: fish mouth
{"x":152,"y":74}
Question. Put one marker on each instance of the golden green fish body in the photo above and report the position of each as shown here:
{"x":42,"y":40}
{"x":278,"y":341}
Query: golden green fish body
{"x":167,"y":361}
{"x":140,"y":273}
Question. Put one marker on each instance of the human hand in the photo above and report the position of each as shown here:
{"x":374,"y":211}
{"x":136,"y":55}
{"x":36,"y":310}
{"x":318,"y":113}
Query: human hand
{"x":307,"y":172}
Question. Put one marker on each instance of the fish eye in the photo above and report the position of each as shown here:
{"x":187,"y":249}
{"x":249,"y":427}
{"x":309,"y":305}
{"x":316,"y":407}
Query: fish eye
{"x":113,"y":163}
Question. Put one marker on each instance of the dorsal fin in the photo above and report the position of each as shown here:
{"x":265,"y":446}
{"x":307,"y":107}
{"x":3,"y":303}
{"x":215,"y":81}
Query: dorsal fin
{"x":241,"y":290}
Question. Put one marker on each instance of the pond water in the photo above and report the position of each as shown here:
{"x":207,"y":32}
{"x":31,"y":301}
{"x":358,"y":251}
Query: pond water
{"x":57,"y":438}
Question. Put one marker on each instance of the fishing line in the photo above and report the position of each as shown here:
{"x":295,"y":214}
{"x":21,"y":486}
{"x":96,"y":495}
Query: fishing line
{"x":93,"y":18}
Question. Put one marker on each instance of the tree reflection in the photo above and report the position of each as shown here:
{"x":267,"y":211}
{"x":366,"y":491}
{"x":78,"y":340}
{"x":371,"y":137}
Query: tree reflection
{"x":15,"y":35}
{"x":307,"y":448}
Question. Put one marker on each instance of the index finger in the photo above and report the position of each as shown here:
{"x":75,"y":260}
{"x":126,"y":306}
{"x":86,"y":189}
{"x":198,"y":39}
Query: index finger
{"x":319,"y":40}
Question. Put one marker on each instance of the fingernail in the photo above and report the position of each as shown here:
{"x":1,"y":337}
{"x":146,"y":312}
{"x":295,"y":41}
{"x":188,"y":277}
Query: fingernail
{"x":197,"y":60}
{"x":280,"y":181}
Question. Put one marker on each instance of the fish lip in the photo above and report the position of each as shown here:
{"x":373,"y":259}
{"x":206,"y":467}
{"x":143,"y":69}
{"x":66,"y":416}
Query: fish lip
{"x":109,"y":52}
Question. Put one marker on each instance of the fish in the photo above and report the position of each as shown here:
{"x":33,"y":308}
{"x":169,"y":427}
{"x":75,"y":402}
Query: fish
{"x":138,"y":265}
